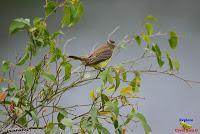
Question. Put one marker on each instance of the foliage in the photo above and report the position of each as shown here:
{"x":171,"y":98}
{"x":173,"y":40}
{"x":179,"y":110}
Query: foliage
{"x":32,"y":100}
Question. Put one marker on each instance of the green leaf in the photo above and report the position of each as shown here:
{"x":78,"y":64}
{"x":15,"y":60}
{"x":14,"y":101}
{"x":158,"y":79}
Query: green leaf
{"x":130,"y":116}
{"x":5,"y":66}
{"x":169,"y":60}
{"x":37,"y":21}
{"x":72,"y":14}
{"x":15,"y":100}
{"x":67,"y":122}
{"x":149,"y":28}
{"x":160,"y":61}
{"x":55,"y":34}
{"x":112,"y":107}
{"x":56,"y":54}
{"x":117,"y":81}
{"x":110,"y":78}
{"x":35,"y":118}
{"x":146,"y":38}
{"x":103,"y":76}
{"x":61,"y":126}
{"x":102,"y":129}
{"x":23,"y":59}
{"x":156,"y":49}
{"x":173,"y":40}
{"x":138,"y":40}
{"x":176,"y":64}
{"x":104,"y":99}
{"x":144,"y":123}
{"x":48,"y":76}
{"x":18,"y":24}
{"x":67,"y":18}
{"x":22,"y":120}
{"x":60,"y":117}
{"x":50,"y":7}
{"x":79,"y":11}
{"x":116,"y":124}
{"x":135,"y":83}
{"x":67,"y":66}
{"x":124,"y":76}
{"x":29,"y":76}
{"x":94,"y":113}
{"x":51,"y":129}
{"x":61,"y":110}
{"x":151,"y":18}
{"x":106,"y":76}
{"x":86,"y":124}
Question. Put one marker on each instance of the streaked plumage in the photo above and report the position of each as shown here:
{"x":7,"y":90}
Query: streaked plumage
{"x":99,"y":58}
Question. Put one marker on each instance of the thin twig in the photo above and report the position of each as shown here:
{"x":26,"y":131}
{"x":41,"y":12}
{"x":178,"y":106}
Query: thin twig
{"x":111,"y":33}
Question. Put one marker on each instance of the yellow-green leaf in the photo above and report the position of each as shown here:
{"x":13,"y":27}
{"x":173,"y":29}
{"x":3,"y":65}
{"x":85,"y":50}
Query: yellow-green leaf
{"x":156,"y":49}
{"x":23,"y":59}
{"x":135,"y":83}
{"x":5,"y":66}
{"x":146,"y":38}
{"x":130,"y":116}
{"x":149,"y":28}
{"x":138,"y":39}
{"x":92,"y":95}
{"x":48,"y":76}
{"x":176,"y":64}
{"x":112,"y":107}
{"x":72,"y":14}
{"x":144,"y":123}
{"x":35,"y":118}
{"x":67,"y":66}
{"x":19,"y":24}
{"x":173,"y":40}
{"x":29,"y":76}
{"x":50,"y":7}
{"x":151,"y":18}
{"x":169,"y":60}
{"x":67,"y":122}
{"x":103,"y":113}
{"x":126,"y":91}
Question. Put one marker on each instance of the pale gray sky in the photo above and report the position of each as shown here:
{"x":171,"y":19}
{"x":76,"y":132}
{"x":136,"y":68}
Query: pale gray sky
{"x":167,"y":98}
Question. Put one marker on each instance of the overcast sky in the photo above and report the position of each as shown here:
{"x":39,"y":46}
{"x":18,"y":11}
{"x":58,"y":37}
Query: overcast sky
{"x":167,"y":98}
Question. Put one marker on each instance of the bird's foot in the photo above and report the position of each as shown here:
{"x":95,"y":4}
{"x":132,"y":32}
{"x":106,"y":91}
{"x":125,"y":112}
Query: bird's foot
{"x":100,"y":70}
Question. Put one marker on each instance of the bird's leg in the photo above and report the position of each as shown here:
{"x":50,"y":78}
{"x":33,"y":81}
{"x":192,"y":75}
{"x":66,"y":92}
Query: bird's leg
{"x":98,"y":74}
{"x":101,"y":70}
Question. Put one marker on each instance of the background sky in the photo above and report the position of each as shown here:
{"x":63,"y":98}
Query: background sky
{"x":167,"y":98}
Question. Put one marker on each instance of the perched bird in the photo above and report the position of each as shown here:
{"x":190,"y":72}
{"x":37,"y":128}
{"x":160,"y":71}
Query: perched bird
{"x":100,"y":57}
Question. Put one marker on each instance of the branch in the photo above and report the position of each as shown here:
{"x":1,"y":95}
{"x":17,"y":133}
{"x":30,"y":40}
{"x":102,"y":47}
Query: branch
{"x":111,"y":33}
{"x":188,"y":82}
{"x":21,"y":129}
{"x":67,"y":42}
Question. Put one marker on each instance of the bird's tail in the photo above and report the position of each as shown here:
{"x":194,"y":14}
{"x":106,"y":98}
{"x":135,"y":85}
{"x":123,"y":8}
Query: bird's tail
{"x":78,"y":58}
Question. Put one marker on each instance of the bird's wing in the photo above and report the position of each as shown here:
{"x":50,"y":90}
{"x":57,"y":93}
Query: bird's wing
{"x":99,"y":56}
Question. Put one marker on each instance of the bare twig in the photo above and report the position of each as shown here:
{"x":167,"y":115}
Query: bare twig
{"x":111,"y":33}
{"x":66,"y":43}
{"x":22,"y":129}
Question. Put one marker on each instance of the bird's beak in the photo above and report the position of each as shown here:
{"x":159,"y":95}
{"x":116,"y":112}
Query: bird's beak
{"x":111,"y":41}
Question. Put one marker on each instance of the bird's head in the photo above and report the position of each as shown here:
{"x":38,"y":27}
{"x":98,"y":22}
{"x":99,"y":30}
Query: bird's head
{"x":111,"y":43}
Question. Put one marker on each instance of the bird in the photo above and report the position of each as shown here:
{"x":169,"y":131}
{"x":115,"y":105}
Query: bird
{"x":98,"y":58}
